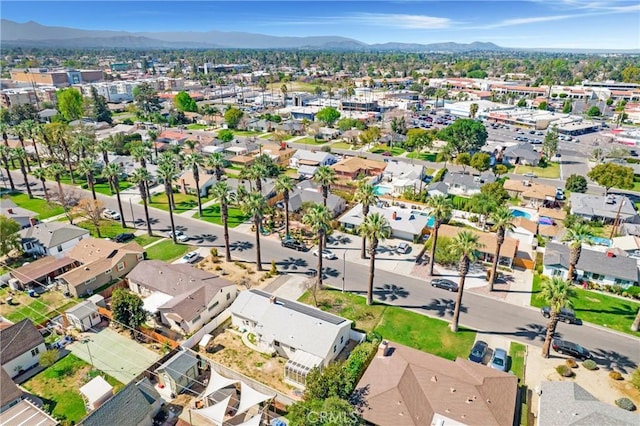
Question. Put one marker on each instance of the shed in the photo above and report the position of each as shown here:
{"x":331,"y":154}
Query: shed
{"x":84,"y":315}
{"x":96,"y":392}
{"x":179,"y":372}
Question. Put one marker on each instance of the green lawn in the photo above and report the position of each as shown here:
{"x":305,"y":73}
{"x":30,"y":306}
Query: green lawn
{"x":108,"y":228}
{"x":39,"y":311}
{"x":167,"y":251}
{"x":36,"y":205}
{"x":310,"y":141}
{"x":103,"y":188}
{"x":212,"y":214}
{"x":517,"y":353}
{"x":245,"y":133}
{"x":183,"y":202}
{"x":270,"y":136}
{"x":397,"y":324}
{"x":424,"y":156}
{"x":196,"y":126}
{"x":144,"y":240}
{"x":341,"y":145}
{"x":601,"y":309}
{"x":395,"y":151}
{"x":552,"y":170}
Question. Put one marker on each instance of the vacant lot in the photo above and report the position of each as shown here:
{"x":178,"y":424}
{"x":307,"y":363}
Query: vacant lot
{"x":39,"y":309}
{"x":36,"y":205}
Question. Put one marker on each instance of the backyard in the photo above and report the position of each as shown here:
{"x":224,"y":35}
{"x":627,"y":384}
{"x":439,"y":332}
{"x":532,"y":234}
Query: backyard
{"x":212,"y":214}
{"x":39,"y":309}
{"x":552,"y":171}
{"x":196,"y":126}
{"x":167,"y":251}
{"x":36,"y":205}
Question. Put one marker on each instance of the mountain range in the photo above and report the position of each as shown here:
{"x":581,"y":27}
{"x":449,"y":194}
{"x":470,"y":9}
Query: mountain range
{"x":33,"y":34}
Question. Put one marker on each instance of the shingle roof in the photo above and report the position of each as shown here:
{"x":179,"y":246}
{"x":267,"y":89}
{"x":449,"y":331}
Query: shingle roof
{"x":40,"y":268}
{"x":83,"y":309}
{"x":11,"y":210}
{"x":18,"y":339}
{"x":314,"y":156}
{"x":179,"y":364}
{"x":523,"y":150}
{"x":354,"y":164}
{"x":531,"y":190}
{"x":9,"y":391}
{"x":51,"y":234}
{"x":596,"y":205}
{"x":509,"y":247}
{"x":467,"y":180}
{"x":404,"y":221}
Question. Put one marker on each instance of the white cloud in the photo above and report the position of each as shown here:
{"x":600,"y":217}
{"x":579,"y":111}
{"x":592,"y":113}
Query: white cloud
{"x":413,"y":22}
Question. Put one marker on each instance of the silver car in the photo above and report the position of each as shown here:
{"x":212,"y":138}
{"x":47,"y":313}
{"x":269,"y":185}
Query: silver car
{"x":499,"y":360}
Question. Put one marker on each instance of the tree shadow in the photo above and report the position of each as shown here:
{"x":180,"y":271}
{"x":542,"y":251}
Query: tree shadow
{"x":531,"y":332}
{"x":390,"y":292}
{"x":612,"y":360}
{"x":443,"y":307}
{"x":210,"y":238}
{"x":292,"y":263}
{"x":338,"y":240}
{"x":359,"y":398}
{"x":326,"y":273}
{"x":240,"y":246}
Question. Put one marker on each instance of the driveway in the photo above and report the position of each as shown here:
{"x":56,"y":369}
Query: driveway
{"x":116,"y":355}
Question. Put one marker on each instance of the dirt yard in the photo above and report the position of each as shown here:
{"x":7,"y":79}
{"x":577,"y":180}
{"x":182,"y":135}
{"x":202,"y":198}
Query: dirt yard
{"x":244,"y":274}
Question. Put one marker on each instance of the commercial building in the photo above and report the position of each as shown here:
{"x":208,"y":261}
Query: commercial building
{"x":57,"y":78}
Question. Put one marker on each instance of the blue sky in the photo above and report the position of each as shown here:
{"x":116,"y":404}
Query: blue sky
{"x":532,"y":23}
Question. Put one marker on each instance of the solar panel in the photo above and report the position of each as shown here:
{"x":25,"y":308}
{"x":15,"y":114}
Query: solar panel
{"x":303,"y":309}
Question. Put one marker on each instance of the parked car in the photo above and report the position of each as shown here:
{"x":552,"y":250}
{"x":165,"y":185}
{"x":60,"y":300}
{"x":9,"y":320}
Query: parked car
{"x":478,"y":351}
{"x":530,"y":175}
{"x":403,"y":248}
{"x":570,"y":348}
{"x":327,"y":254}
{"x":293,"y":244}
{"x":110,"y":214}
{"x":444,"y":284}
{"x":499,"y":360}
{"x":565,"y":315}
{"x":191,"y":257}
{"x":180,"y":236}
{"x":123,"y":238}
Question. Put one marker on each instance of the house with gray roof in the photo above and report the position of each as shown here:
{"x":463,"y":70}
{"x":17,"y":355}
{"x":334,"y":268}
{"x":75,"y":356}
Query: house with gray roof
{"x":24,"y":217}
{"x":306,"y":336}
{"x":603,"y":207}
{"x":467,"y":184}
{"x":180,"y":296}
{"x":308,"y":192}
{"x":312,"y":159}
{"x":406,"y":224}
{"x":20,"y":347}
{"x":608,"y":267}
{"x":521,"y":154}
{"x":51,"y":238}
{"x":567,"y":403}
{"x":135,"y":404}
{"x":84,"y":315}
{"x":10,"y":393}
{"x":437,"y":188}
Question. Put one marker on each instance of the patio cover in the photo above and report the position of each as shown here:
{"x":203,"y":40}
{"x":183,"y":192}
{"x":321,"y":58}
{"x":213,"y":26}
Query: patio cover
{"x":217,"y":382}
{"x":216,"y":412}
{"x":253,"y":421}
{"x":153,"y":302}
{"x":250,"y":397}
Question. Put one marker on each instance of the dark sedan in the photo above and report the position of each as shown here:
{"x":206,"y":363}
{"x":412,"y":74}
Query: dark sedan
{"x":478,"y":351}
{"x":123,"y":238}
{"x":569,"y":348}
{"x":294,"y":244}
{"x":445,"y":284}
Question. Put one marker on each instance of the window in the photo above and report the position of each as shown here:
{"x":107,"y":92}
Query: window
{"x":341,"y":339}
{"x":59,"y":249}
{"x":228,"y":296}
{"x":196,"y":319}
{"x":27,"y":246}
{"x":276,"y":343}
{"x":89,"y":281}
{"x":292,"y":349}
{"x":212,"y":307}
{"x":35,"y":351}
{"x":121,"y":266}
{"x":140,"y":256}
{"x":557,"y":272}
{"x":334,"y":348}
{"x":107,"y":272}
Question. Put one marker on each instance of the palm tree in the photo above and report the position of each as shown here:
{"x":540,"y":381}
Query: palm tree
{"x":167,"y":173}
{"x":365,"y":195}
{"x":502,"y":220}
{"x":153,"y":135}
{"x":325,"y":176}
{"x":141,"y":154}
{"x":636,"y":322}
{"x":193,"y":161}
{"x":217,"y":162}
{"x":465,"y":245}
{"x":21,"y":132}
{"x":104,"y":146}
{"x":223,"y":194}
{"x":576,"y":235}
{"x":59,"y":133}
{"x":254,"y":205}
{"x":557,"y":294}
{"x":376,"y":228}
{"x":21,"y":155}
{"x":41,"y":175}
{"x":112,"y":172}
{"x":87,"y":168}
{"x":284,"y":185}
{"x":4,"y":128}
{"x":4,"y":155}
{"x":31,"y":129}
{"x":441,"y":212}
{"x":141,"y":177}
{"x":318,"y":218}
{"x":56,"y":170}
{"x":257,"y":171}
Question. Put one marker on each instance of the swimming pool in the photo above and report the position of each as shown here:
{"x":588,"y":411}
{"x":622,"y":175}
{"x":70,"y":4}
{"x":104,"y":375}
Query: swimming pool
{"x":520,"y":213}
{"x":599,"y":241}
{"x":381,"y":190}
{"x":430,"y":222}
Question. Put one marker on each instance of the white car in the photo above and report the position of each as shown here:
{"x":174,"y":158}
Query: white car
{"x":180,"y":236}
{"x":403,"y":248}
{"x":191,"y":257}
{"x":110,"y":214}
{"x":327,"y":254}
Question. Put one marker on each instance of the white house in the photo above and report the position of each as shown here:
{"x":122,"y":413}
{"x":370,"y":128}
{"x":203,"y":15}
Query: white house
{"x":304,"y":157}
{"x":20,"y":347}
{"x":406,"y":224}
{"x":401,"y":176}
{"x":524,"y":230}
{"x":306,"y":336}
{"x":51,"y":238}
{"x":84,"y":315}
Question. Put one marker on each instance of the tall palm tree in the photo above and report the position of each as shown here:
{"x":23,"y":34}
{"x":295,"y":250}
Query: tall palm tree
{"x":254,"y":205}
{"x":87,"y":167}
{"x":576,"y":235}
{"x":557,"y":294}
{"x":441,"y":212}
{"x":104,"y":146}
{"x":167,"y":172}
{"x":141,"y":177}
{"x":141,"y":154}
{"x":502,"y":220}
{"x":376,"y":228}
{"x":257,"y":171}
{"x":217,"y":162}
{"x":194,"y":161}
{"x":20,"y":155}
{"x":41,"y":175}
{"x":22,"y":132}
{"x":318,"y":218}
{"x":56,"y":170}
{"x":465,"y":245}
{"x":4,"y":128}
{"x":365,"y":195}
{"x":60,"y":132}
{"x":325,"y":176}
{"x":223,"y":194}
{"x":153,"y":135}
{"x":5,"y":152}
{"x":31,"y":129}
{"x":284,"y":185}
{"x":112,"y":172}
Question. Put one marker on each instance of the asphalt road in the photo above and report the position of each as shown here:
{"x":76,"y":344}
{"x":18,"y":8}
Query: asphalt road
{"x":486,"y":314}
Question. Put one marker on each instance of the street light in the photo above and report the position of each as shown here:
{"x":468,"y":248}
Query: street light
{"x":86,"y":342}
{"x":344,"y":267}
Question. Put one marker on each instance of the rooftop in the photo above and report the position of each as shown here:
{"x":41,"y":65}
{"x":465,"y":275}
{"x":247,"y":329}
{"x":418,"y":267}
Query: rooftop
{"x":51,"y":234}
{"x":17,"y":339}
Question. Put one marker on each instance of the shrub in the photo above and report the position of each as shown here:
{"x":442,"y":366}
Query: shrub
{"x":590,"y":364}
{"x":564,"y":371}
{"x":274,"y":269}
{"x":571,"y":363}
{"x":214,"y":252}
{"x":626,"y":404}
{"x":439,"y":175}
{"x":615,"y":375}
{"x":634,"y":292}
{"x":635,"y":378}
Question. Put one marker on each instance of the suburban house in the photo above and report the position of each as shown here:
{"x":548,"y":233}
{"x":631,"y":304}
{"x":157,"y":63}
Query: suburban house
{"x":136,"y":404}
{"x":279,"y":153}
{"x":179,"y":372}
{"x":508,"y":251}
{"x":401,"y":176}
{"x":523,"y":154}
{"x":101,"y":261}
{"x":355,"y":167}
{"x":306,"y":336}
{"x":567,"y":403}
{"x":11,"y":210}
{"x":327,"y":133}
{"x":20,"y":347}
{"x":306,"y":162}
{"x":42,"y":271}
{"x":604,"y":208}
{"x":84,"y":315}
{"x":405,"y":224}
{"x":308,"y":192}
{"x":612,"y":266}
{"x":629,"y":244}
{"x":21,"y":411}
{"x":181,"y":296}
{"x":405,"y":386}
{"x":51,"y":238}
{"x":186,"y":183}
{"x":524,"y":230}
{"x":294,"y":128}
{"x":466,"y":184}
{"x":532,"y":193}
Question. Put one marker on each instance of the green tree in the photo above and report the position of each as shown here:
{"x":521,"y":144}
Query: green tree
{"x":480,"y":161}
{"x":184,"y":102}
{"x":225,"y":135}
{"x":194,"y":161}
{"x":576,"y":235}
{"x":463,"y":159}
{"x":283,"y":186}
{"x":502,"y":219}
{"x":41,"y":175}
{"x":48,"y":358}
{"x":167,"y":172}
{"x":465,"y":245}
{"x":611,"y":175}
{"x":500,"y":169}
{"x":20,"y":155}
{"x":328,"y":115}
{"x":550,"y":144}
{"x":370,"y":135}
{"x":56,"y":171}
{"x":328,"y":382}
{"x":441,"y":208}
{"x":112,"y":172}
{"x":576,"y":183}
{"x":9,"y":237}
{"x":543,"y":106}
{"x":521,"y":103}
{"x":217,"y":162}
{"x":318,"y":219}
{"x":557,"y":294}
{"x":128,"y":309}
{"x":376,"y":229}
{"x":594,"y":111}
{"x":232,"y":117}
{"x":69,"y":103}
{"x":223,"y":194}
{"x":87,"y":167}
{"x":146,"y":98}
{"x":483,"y":204}
{"x":141,"y":177}
{"x":255,"y":206}
{"x":464,"y":135}
{"x":419,"y":138}
{"x":365,"y":195}
{"x":325,"y":176}
{"x":99,"y":109}
{"x":473,"y":110}
{"x":495,"y":191}
{"x":5,"y":153}
{"x":567,"y":107}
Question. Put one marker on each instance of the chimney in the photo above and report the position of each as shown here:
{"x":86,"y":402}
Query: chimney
{"x":394,"y":216}
{"x":383,"y":348}
{"x":10,"y":211}
{"x":272,"y":299}
{"x":33,"y":221}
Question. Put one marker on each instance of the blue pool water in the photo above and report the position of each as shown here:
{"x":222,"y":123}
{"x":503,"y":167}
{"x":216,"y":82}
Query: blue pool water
{"x":381,"y":190}
{"x":601,"y":241}
{"x":520,"y":213}
{"x":430,"y":222}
